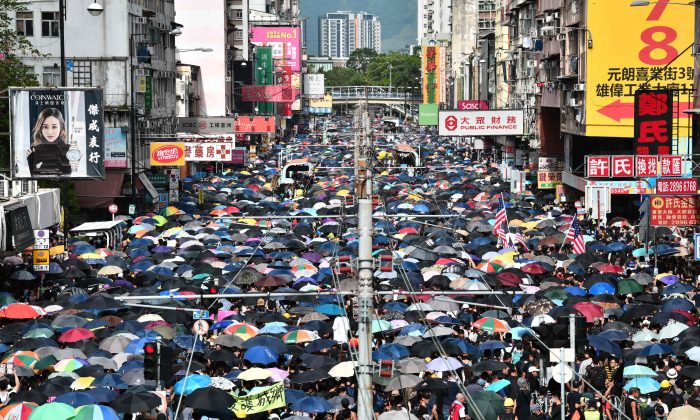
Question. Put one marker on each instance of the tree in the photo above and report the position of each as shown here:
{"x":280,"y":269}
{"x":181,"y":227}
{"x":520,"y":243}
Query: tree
{"x":360,"y":59}
{"x":12,"y":71}
{"x":343,"y":76}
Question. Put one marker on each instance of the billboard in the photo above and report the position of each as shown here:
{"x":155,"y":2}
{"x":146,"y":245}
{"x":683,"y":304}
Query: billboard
{"x":472,"y":105}
{"x":256,"y":124}
{"x":431,"y":65}
{"x":115,"y":148}
{"x":284,"y":40}
{"x":57,"y":133}
{"x":268,"y":93}
{"x":501,"y":122}
{"x":427,"y":114}
{"x":209,"y":152}
{"x":167,"y":154}
{"x":264,"y":75}
{"x":314,"y":85}
{"x":630,"y":55}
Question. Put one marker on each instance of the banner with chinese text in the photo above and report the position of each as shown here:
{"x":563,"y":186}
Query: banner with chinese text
{"x":206,"y":152}
{"x":266,"y":398}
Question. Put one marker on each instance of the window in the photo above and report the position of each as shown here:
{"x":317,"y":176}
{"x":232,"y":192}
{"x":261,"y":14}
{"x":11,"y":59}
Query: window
{"x":49,"y":24}
{"x":51,"y":76}
{"x":237,"y":34}
{"x":25,"y":23}
{"x":82,"y":73}
{"x":239,"y":14}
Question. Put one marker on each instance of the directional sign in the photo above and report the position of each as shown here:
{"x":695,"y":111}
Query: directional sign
{"x":200,"y":314}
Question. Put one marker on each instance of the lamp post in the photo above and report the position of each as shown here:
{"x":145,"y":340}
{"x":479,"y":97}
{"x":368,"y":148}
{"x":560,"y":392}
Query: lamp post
{"x":390,"y":79}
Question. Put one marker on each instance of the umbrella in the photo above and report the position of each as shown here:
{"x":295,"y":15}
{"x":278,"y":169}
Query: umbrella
{"x":190,"y":383}
{"x":442,"y":364}
{"x":645,"y":385}
{"x":486,"y":405}
{"x":401,"y":414}
{"x":343,"y":370}
{"x":402,"y":381}
{"x":17,"y":411}
{"x":684,"y":412}
{"x":637,"y":371}
{"x":492,"y":324}
{"x":52,"y":411}
{"x":209,"y":400}
{"x":135,"y":402}
{"x":312,"y":405}
{"x":261,"y":355}
{"x":498,"y":385}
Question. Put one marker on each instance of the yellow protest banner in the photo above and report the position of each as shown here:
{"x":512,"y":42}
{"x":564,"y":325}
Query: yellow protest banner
{"x":267,"y":398}
{"x":628,"y":48}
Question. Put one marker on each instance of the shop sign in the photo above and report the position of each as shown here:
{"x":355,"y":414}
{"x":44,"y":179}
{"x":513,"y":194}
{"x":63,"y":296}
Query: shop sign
{"x":675,"y":210}
{"x":677,"y":186}
{"x":548,"y":179}
{"x":167,"y":154}
{"x":630,"y":166}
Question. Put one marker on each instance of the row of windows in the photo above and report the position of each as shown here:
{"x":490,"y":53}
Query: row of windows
{"x":49,"y":24}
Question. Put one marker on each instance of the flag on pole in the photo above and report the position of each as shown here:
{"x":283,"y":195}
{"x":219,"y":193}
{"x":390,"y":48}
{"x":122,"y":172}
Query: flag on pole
{"x":518,"y":238}
{"x":502,"y":233}
{"x":575,"y":235}
{"x":500,"y":218}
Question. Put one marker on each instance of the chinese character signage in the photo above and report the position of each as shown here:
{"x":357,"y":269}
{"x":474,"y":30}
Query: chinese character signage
{"x":675,"y":210}
{"x":167,"y":154}
{"x":264,"y":75}
{"x":314,"y":85}
{"x":270,"y":93}
{"x":642,"y":49}
{"x":205,"y":125}
{"x":256,"y":124}
{"x":628,"y":166}
{"x":677,"y":186}
{"x":263,"y":399}
{"x":208,"y":152}
{"x":115,"y":148}
{"x":431,"y":65}
{"x":57,"y":133}
{"x":284,"y":40}
{"x":653,"y":122}
{"x":548,"y":179}
{"x":502,"y":122}
{"x":321,"y":106}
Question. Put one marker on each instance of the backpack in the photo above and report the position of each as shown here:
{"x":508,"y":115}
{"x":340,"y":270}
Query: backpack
{"x":596,"y":376}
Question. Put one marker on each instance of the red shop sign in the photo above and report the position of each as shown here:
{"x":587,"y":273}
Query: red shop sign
{"x":675,"y":210}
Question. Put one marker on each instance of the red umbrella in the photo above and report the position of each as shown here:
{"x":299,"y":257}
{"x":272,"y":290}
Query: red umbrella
{"x":76,"y":334}
{"x":607,"y":268}
{"x":533,"y":268}
{"x":590,"y":310}
{"x":692,"y":320}
{"x":509,"y":279}
{"x":18,"y":311}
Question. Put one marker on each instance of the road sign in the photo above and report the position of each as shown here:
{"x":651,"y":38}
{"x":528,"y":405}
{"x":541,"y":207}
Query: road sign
{"x":113,"y":208}
{"x":42,"y":243}
{"x":200,"y":327}
{"x":696,"y":241}
{"x":675,"y":210}
{"x":41,"y":234}
{"x":41,"y":260}
{"x":200,"y":314}
{"x":677,"y":186}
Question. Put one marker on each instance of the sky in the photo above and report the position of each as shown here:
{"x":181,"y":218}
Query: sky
{"x":398,"y":19}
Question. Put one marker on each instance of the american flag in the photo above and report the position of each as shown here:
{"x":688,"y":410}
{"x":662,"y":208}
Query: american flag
{"x":502,"y":233}
{"x":514,"y":238}
{"x":500,"y":218}
{"x":575,"y":235}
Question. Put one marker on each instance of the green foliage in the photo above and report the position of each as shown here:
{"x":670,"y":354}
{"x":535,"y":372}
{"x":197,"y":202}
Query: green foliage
{"x":404,"y":71}
{"x":361,"y":58}
{"x":12,"y":71}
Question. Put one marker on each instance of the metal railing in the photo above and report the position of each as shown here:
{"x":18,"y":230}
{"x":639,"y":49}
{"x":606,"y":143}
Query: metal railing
{"x":373,"y":92}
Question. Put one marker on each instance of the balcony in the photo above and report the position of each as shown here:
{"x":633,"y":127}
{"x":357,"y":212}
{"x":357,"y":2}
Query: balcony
{"x":551,"y":96}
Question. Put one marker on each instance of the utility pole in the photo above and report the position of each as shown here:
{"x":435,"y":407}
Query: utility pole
{"x":365,"y":265}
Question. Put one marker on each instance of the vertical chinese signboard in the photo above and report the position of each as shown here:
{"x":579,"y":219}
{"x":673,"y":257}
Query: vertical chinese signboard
{"x":431,"y":74}
{"x":641,"y":50}
{"x":653,"y":122}
{"x":263,"y":75}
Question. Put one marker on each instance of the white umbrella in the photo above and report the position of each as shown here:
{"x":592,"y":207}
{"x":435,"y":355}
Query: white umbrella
{"x":645,"y":335}
{"x":672,"y":330}
{"x":343,"y":370}
{"x":542,"y":319}
{"x":694,"y":353}
{"x":420,"y":306}
{"x":439,"y":331}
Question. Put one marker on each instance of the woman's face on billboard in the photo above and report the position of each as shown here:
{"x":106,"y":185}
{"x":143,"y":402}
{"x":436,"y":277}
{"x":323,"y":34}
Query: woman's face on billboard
{"x":51,"y":129}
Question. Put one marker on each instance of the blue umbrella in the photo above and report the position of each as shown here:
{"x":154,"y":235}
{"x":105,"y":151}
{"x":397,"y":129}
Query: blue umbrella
{"x":656,"y":348}
{"x":330,"y":309}
{"x":576,"y":291}
{"x":163,"y":271}
{"x":464,"y":346}
{"x":55,"y":268}
{"x":602,"y":288}
{"x":312,"y":405}
{"x":129,"y":366}
{"x":398,"y":349}
{"x":613,"y":335}
{"x":603,"y":345}
{"x":111,"y":380}
{"x":187,"y":342}
{"x":292,"y":395}
{"x":136,"y":346}
{"x":519,"y":332}
{"x":395,"y":306}
{"x":677,"y":304}
{"x":188,"y":384}
{"x":645,"y":385}
{"x":378,"y":355}
{"x":75,"y":399}
{"x":677,"y":288}
{"x":498,"y":385}
{"x":260,"y":355}
{"x":102,"y":394}
{"x":491,"y":345}
{"x":142,"y":265}
{"x":320,"y":344}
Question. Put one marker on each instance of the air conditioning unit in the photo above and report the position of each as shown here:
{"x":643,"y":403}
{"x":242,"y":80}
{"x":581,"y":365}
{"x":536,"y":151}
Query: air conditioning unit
{"x":548,"y":18}
{"x":574,"y":103}
{"x":523,"y":74}
{"x":533,"y":101}
{"x":5,"y":189}
{"x":531,"y":63}
{"x":556,"y":15}
{"x":16,"y":188}
{"x":561,"y":37}
{"x":580,"y":87}
{"x":140,"y":19}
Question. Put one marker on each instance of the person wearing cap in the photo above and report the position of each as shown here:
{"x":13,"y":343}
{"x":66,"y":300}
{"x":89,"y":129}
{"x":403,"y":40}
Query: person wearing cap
{"x":668,"y":395}
{"x":508,"y":410}
{"x":536,"y":412}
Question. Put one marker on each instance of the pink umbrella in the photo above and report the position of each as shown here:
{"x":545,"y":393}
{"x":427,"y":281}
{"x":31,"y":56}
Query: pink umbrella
{"x":589,"y":310}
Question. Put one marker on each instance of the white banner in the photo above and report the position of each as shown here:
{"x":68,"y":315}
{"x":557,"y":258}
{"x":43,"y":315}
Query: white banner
{"x":207,"y":152}
{"x":500,"y":122}
{"x":314,"y":85}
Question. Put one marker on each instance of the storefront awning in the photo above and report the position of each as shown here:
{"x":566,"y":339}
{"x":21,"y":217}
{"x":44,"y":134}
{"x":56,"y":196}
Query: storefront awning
{"x":99,"y":194}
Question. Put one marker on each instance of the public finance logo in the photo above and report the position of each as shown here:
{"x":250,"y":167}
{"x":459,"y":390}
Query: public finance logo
{"x":451,"y":123}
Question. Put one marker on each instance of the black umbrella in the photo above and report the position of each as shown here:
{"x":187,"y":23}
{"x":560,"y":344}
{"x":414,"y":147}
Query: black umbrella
{"x":30,"y":395}
{"x":209,"y":400}
{"x":309,"y":376}
{"x":135,"y":402}
{"x":431,"y":384}
{"x":488,"y":366}
{"x":73,"y":273}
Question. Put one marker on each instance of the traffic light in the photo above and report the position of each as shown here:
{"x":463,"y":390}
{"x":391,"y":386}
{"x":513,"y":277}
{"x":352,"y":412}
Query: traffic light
{"x":150,"y":361}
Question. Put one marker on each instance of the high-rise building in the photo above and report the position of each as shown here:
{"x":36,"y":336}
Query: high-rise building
{"x":434,"y":17}
{"x":341,"y":33}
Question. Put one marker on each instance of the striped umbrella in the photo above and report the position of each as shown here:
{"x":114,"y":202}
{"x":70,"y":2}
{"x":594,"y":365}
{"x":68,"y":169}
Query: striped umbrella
{"x":299,"y":336}
{"x":492,"y":324}
{"x":96,"y":412}
{"x":489,"y":267}
{"x":22,"y":358}
{"x":69,"y":365}
{"x":18,"y":411}
{"x":243,"y":330}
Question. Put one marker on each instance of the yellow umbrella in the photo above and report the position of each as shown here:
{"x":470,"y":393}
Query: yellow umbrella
{"x":110,"y":270}
{"x":82,"y":383}
{"x":516,"y":222}
{"x":90,"y":256}
{"x":248,"y":221}
{"x":255,"y":374}
{"x":161,"y":220}
{"x":342,"y":193}
{"x":56,"y":250}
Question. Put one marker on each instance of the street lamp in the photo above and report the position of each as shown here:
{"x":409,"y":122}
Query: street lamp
{"x":95,"y":9}
{"x":390,"y":79}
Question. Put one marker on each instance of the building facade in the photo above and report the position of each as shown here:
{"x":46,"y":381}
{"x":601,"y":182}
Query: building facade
{"x":341,"y":33}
